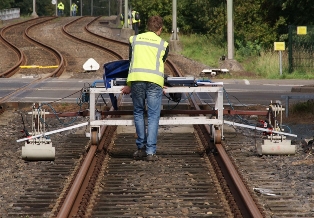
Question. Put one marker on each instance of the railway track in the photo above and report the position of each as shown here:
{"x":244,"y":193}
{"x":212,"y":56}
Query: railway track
{"x":75,"y":199}
{"x":64,"y":62}
{"x":29,"y":50}
{"x":36,"y":31}
{"x":271,"y":179}
{"x":160,"y":190}
{"x":115,"y":47}
{"x":91,"y":179}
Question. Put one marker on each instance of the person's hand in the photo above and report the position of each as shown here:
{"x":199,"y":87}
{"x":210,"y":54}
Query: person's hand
{"x":126,"y":90}
{"x":163,"y":89}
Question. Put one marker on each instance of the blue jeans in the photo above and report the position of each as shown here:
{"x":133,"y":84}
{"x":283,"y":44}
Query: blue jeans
{"x":60,"y":12}
{"x":153,"y":94}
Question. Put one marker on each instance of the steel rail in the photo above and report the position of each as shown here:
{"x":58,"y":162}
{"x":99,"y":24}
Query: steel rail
{"x":251,"y":209}
{"x":70,"y":204}
{"x":10,"y":72}
{"x":113,"y":53}
{"x":100,"y":36}
{"x":61,"y":64}
{"x":19,"y":53}
{"x":168,"y":62}
{"x":69,"y":207}
{"x":56,"y":53}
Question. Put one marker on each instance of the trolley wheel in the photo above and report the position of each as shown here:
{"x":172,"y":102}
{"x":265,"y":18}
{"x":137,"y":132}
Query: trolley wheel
{"x":94,"y":138}
{"x":217,"y":136}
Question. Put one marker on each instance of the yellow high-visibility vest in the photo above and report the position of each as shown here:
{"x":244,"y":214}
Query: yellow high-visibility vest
{"x":133,"y":17}
{"x":146,"y":63}
{"x":61,"y":6}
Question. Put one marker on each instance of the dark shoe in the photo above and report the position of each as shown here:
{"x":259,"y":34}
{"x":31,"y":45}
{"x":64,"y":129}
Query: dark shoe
{"x":151,"y":157}
{"x":140,"y":153}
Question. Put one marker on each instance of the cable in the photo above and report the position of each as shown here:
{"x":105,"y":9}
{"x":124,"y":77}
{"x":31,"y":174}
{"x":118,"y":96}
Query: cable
{"x":55,"y":113}
{"x":241,"y":119}
{"x":176,"y":99}
{"x":247,"y":122}
{"x":84,"y":98}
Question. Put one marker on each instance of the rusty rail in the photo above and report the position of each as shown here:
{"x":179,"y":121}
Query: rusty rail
{"x":113,"y":53}
{"x":246,"y":204}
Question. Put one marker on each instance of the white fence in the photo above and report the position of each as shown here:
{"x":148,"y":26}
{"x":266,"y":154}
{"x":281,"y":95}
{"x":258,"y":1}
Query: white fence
{"x":8,"y":14}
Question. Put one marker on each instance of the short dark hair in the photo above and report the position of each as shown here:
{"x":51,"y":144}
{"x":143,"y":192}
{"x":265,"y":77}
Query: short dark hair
{"x":154,"y":23}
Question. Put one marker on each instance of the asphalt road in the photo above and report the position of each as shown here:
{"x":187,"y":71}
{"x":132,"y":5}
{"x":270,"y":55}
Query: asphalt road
{"x":236,"y":92}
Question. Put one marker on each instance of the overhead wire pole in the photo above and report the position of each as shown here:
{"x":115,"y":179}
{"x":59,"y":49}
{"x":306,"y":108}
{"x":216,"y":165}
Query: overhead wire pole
{"x":34,"y":14}
{"x":109,"y":8}
{"x":126,"y":13}
{"x":120,"y":7}
{"x":56,"y":7}
{"x":173,"y":43}
{"x":81,"y":8}
{"x":174,"y":35}
{"x":70,"y":8}
{"x":230,"y":32}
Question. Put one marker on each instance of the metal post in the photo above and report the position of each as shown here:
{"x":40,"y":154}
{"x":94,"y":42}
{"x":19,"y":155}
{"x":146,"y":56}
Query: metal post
{"x":120,"y":7}
{"x":174,"y":20}
{"x":126,"y":13}
{"x":81,"y":8}
{"x":56,"y":8}
{"x":34,"y":14}
{"x":70,"y":8}
{"x":109,"y":8}
{"x":92,"y":102}
{"x":230,"y":33}
{"x":280,"y":62}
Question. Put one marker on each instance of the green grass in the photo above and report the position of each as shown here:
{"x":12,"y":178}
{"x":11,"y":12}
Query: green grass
{"x":265,"y":65}
{"x":303,"y":107}
{"x":200,"y":48}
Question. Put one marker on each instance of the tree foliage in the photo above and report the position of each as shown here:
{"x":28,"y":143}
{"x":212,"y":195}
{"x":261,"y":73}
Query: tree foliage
{"x":5,"y":4}
{"x":256,"y":22}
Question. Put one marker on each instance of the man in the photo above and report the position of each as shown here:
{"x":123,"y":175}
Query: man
{"x":60,"y":9}
{"x":147,"y":55}
{"x":74,"y":9}
{"x":136,"y":21}
{"x":121,"y":19}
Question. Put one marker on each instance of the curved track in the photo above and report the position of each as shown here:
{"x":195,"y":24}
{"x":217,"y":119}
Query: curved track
{"x":32,"y":29}
{"x":28,"y":50}
{"x":194,"y":177}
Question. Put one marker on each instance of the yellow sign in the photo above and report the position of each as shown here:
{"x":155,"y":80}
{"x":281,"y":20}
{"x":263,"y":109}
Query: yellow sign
{"x":301,"y":30}
{"x":279,"y":46}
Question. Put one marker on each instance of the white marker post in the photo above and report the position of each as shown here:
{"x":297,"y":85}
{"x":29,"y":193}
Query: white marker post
{"x":280,"y":46}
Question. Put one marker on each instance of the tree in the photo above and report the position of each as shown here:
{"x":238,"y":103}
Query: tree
{"x":162,"y":8}
{"x":298,"y":12}
{"x":5,"y":4}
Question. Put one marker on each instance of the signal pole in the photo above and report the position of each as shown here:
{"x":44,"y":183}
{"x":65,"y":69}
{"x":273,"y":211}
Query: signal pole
{"x":230,"y":32}
{"x":34,"y":14}
{"x":174,"y":35}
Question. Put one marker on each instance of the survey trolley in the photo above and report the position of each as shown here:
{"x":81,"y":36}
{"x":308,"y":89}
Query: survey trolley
{"x":215,"y":122}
